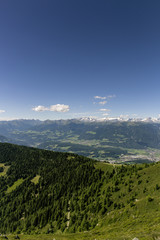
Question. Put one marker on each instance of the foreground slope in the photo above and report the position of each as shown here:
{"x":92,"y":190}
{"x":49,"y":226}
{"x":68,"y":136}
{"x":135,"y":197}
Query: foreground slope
{"x":59,"y":193}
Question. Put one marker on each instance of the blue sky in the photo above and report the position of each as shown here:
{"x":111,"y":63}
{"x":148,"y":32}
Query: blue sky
{"x":75,"y":58}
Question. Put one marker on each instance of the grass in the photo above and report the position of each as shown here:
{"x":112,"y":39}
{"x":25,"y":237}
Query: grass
{"x":114,"y":233}
{"x":5,"y":169}
{"x":91,"y":132}
{"x":104,"y":166}
{"x":70,"y":157}
{"x":141,"y":216}
{"x":15,"y":185}
{"x":51,"y":237}
{"x":35,"y":180}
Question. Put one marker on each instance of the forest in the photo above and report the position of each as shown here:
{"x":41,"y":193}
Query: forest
{"x":46,"y":192}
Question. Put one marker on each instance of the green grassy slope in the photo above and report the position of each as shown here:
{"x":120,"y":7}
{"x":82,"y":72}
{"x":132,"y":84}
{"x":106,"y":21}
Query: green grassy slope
{"x":66,"y":196}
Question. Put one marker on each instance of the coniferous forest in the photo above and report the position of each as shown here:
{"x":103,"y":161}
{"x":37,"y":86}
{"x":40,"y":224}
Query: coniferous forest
{"x":40,"y":186}
{"x":45,"y":192}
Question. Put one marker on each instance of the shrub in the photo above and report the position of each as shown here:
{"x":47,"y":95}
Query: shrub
{"x":150,"y":199}
{"x":139,"y":182}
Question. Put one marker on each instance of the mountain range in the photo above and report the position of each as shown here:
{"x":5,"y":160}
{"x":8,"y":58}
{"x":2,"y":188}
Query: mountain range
{"x":102,"y":140}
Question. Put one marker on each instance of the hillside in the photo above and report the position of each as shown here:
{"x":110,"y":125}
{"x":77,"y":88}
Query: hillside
{"x":4,"y":139}
{"x":98,"y":140}
{"x":53,"y":193}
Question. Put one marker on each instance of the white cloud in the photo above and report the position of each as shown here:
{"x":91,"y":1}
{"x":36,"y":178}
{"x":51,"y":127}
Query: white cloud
{"x":59,"y":108}
{"x":124,"y":116}
{"x":104,"y":110}
{"x":103,"y":102}
{"x":2,"y":111}
{"x":39,"y":108}
{"x":98,"y":97}
{"x":111,"y":96}
{"x":52,"y":108}
{"x":105,"y":114}
{"x":103,"y":98}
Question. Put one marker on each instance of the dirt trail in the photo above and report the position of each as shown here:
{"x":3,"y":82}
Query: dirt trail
{"x":68,"y":214}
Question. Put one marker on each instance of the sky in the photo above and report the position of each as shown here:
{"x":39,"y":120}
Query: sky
{"x":62,"y":59}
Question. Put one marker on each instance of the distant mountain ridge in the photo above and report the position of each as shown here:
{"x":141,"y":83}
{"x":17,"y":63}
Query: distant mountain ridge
{"x":4,"y":139}
{"x":7,"y":127}
{"x":103,"y":140}
{"x":121,"y":119}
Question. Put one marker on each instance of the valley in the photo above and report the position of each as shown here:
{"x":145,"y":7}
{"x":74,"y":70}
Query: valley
{"x":78,"y":180}
{"x":115,"y":142}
